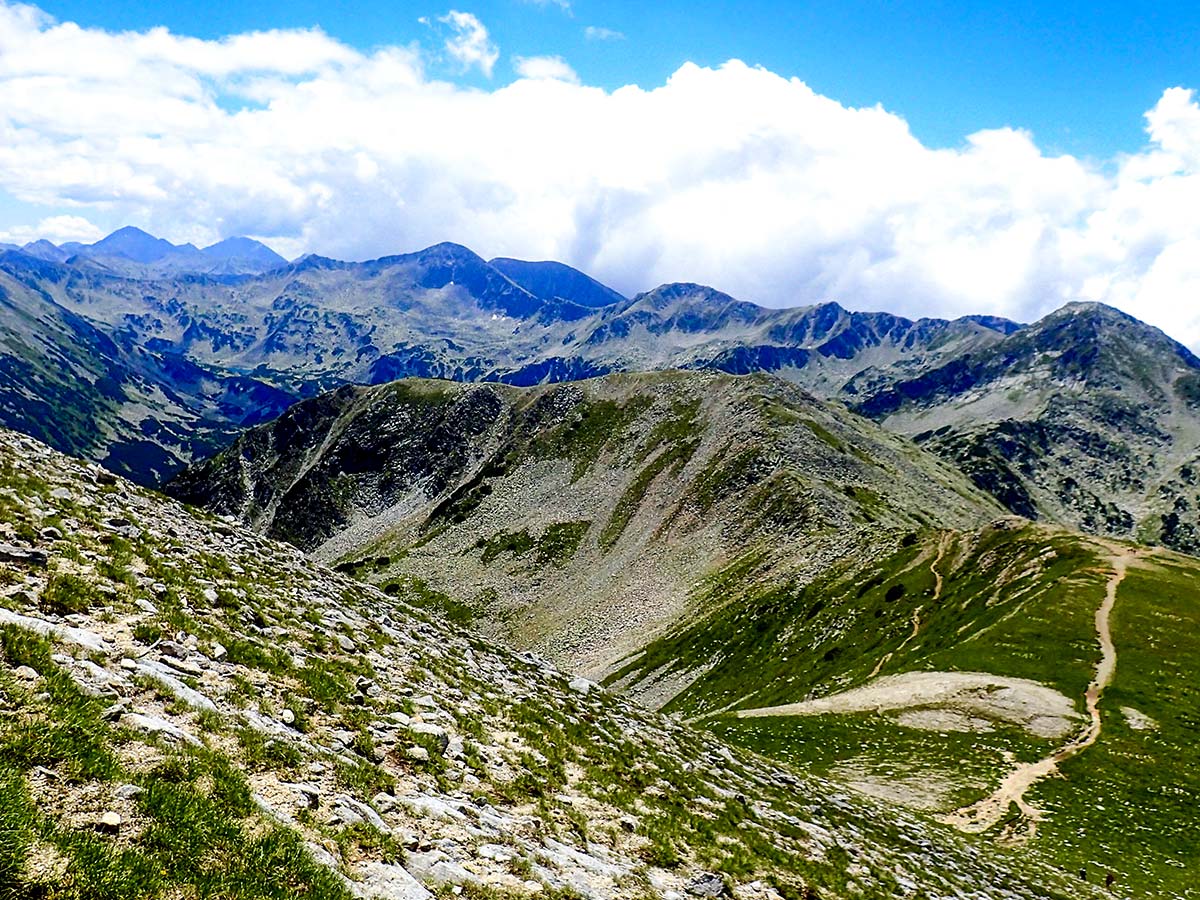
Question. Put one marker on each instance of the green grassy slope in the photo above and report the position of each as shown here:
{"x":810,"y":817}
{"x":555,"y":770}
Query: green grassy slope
{"x":1017,"y":601}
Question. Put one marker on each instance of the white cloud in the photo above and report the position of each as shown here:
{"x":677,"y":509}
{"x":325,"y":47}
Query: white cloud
{"x":599,"y":33}
{"x":733,"y":176}
{"x":56,"y":229}
{"x":545,"y":67}
{"x":470,"y":43}
{"x":564,"y":5}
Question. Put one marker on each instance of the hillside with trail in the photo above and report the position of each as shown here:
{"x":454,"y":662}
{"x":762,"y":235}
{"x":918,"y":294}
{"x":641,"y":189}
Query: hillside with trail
{"x":194,"y":710}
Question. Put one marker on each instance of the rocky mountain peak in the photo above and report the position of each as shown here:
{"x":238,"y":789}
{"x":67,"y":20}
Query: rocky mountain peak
{"x":137,"y":245}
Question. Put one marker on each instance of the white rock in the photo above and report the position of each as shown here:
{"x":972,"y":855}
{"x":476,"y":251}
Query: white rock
{"x":581,"y":685}
{"x":87,"y":639}
{"x":160,"y":673}
{"x":427,"y":805}
{"x":380,"y":881}
{"x":155,"y":725}
{"x":435,"y":867}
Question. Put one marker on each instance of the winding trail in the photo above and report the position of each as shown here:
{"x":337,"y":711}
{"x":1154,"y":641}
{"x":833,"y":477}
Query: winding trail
{"x":991,"y":810}
{"x":938,"y":582}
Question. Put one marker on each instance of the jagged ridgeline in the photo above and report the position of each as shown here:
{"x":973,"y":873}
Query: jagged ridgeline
{"x":192,"y":710}
{"x":577,"y":518}
{"x":1088,"y":418}
{"x":147,"y":356}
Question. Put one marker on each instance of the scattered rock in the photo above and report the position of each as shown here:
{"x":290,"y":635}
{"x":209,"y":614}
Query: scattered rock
{"x":437,"y":732}
{"x":11,"y":553}
{"x":1138,"y":720}
{"x":581,"y":685}
{"x":110,"y":823}
{"x":156,"y":725}
{"x":381,"y":881}
{"x":436,"y":867}
{"x":172,"y":648}
{"x":708,"y":885}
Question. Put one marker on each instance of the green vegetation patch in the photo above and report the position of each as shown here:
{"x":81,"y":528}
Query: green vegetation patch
{"x":67,"y":594}
{"x":595,"y":426}
{"x":674,"y":458}
{"x":417,"y":591}
{"x":1128,"y":803}
{"x":556,"y":546}
{"x":765,"y":639}
{"x":60,"y":725}
{"x":825,"y":435}
{"x":943,"y":770}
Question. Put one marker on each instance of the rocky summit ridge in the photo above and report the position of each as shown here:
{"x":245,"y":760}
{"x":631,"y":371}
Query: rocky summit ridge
{"x":577,"y":518}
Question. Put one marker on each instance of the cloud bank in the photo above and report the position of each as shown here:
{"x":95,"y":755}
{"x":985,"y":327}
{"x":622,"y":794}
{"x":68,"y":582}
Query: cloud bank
{"x":733,"y":176}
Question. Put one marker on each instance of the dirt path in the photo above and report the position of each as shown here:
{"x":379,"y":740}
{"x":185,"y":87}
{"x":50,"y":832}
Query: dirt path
{"x":991,"y":810}
{"x":938,"y":583}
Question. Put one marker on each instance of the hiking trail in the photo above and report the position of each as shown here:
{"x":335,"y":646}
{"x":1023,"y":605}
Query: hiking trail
{"x":991,"y":810}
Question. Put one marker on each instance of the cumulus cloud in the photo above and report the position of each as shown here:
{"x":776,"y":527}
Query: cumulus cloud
{"x":734,"y":176}
{"x":599,"y":33}
{"x":543,"y":67}
{"x":56,"y":229}
{"x":470,"y":42}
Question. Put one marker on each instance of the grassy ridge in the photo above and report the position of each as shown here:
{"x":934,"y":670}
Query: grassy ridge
{"x":762,"y":639}
{"x":1018,"y":602}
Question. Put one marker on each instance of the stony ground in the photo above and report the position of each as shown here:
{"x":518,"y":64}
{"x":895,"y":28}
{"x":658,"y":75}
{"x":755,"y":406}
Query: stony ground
{"x":192,"y":710}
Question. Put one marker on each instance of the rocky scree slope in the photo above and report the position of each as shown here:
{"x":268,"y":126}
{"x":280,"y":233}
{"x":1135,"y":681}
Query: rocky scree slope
{"x":576,"y":519}
{"x":1088,"y":418}
{"x":191,"y":709}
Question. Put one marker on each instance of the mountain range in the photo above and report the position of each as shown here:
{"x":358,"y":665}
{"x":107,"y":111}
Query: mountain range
{"x":1084,"y":418}
{"x":131,"y":251}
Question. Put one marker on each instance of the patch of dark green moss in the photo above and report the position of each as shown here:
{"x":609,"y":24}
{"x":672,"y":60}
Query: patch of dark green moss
{"x":417,"y":591}
{"x":557,"y":545}
{"x":673,"y":460}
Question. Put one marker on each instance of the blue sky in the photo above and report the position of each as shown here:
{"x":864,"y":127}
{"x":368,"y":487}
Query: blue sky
{"x":935,"y":159}
{"x":1078,"y":75}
